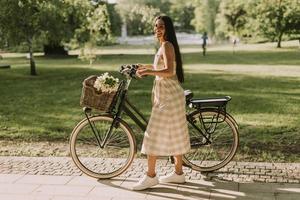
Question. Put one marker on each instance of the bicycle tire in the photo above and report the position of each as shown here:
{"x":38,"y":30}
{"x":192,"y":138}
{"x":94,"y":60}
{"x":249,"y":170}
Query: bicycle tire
{"x":93,"y":163}
{"x":212,"y":163}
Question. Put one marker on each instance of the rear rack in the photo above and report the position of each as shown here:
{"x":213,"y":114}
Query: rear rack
{"x":218,"y":104}
{"x":210,"y":102}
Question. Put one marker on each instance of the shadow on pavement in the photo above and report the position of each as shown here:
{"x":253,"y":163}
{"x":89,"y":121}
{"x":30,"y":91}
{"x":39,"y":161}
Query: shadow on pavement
{"x":202,"y":189}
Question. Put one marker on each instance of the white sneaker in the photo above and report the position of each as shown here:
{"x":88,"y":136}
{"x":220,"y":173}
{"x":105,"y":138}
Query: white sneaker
{"x":172,"y":178}
{"x":145,"y":182}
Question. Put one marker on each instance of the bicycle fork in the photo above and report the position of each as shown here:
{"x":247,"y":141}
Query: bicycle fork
{"x":97,"y":135}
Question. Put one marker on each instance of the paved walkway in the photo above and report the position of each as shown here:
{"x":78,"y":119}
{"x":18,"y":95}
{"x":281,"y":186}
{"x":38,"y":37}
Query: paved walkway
{"x":234,"y":171}
{"x":30,"y":178}
{"x":44,"y":187}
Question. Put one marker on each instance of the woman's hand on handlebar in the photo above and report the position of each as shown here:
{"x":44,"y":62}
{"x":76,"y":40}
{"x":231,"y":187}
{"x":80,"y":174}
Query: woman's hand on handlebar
{"x":143,"y":71}
{"x":135,"y":70}
{"x":129,"y":70}
{"x":141,"y":66}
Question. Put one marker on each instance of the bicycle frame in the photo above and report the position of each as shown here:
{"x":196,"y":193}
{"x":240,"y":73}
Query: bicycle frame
{"x":129,"y":109}
{"x":110,"y":130}
{"x":132,"y":112}
{"x":124,"y":105}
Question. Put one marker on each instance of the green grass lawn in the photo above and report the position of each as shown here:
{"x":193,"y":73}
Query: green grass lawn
{"x":266,"y":106}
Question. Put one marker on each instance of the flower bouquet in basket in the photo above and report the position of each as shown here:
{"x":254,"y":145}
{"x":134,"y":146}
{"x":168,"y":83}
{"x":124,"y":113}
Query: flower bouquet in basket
{"x":98,"y":92}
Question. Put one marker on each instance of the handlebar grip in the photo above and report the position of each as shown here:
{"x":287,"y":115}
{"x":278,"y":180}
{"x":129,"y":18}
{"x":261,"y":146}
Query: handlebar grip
{"x":129,"y":70}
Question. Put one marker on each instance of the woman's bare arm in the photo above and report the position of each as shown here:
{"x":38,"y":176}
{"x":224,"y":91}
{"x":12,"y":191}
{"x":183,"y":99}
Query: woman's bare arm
{"x":145,"y":66}
{"x":168,"y":57}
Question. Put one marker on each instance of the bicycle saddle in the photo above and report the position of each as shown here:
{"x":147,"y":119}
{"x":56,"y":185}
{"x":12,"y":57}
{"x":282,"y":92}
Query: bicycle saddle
{"x":188,"y":95}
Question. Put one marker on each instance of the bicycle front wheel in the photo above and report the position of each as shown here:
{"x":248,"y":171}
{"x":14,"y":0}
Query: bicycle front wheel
{"x":100,"y":160}
{"x":217,"y":146}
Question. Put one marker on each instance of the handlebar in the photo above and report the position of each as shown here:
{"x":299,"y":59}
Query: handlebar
{"x":129,"y":70}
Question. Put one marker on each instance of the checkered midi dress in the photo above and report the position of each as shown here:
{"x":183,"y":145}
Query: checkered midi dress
{"x":167,"y":131}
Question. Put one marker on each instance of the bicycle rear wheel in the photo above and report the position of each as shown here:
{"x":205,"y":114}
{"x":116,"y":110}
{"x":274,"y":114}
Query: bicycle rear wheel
{"x":107,"y":161}
{"x":223,"y":137}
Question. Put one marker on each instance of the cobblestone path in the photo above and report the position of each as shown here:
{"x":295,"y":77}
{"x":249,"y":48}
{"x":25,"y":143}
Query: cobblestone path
{"x":234,"y":171}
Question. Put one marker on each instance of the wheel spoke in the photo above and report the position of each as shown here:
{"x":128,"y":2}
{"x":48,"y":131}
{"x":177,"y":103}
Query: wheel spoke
{"x":88,"y":142}
{"x":223,"y":137}
{"x":105,"y":162}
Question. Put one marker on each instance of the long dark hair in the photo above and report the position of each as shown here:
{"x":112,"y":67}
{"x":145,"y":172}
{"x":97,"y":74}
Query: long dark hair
{"x":171,"y":37}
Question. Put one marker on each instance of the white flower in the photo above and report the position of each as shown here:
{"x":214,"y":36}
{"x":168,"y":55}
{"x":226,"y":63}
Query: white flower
{"x":106,"y":83}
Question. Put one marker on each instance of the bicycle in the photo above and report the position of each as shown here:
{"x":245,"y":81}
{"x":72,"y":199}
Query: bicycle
{"x":99,"y":139}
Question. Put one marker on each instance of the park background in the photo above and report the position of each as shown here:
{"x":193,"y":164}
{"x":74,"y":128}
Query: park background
{"x":52,"y":46}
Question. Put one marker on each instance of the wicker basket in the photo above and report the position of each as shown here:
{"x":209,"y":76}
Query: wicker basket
{"x":92,"y":98}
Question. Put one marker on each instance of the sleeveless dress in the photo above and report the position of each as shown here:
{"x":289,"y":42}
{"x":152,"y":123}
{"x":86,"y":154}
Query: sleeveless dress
{"x":167,"y":131}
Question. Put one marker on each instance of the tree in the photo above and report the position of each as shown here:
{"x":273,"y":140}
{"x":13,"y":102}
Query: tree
{"x":138,"y":16}
{"x":20,"y":21}
{"x":162,"y":5}
{"x":115,"y":19}
{"x":53,"y":26}
{"x":278,"y":17}
{"x":182,"y":13}
{"x":142,"y":17}
{"x":62,"y":19}
{"x":58,"y":25}
{"x":53,"y":23}
{"x":95,"y":30}
{"x":231,"y":19}
{"x":205,"y":15}
{"x":66,"y":16}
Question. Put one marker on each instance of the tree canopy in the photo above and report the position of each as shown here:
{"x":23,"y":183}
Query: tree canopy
{"x":278,"y":17}
{"x":205,"y":16}
{"x":231,"y":18}
{"x":60,"y":24}
{"x":53,"y":22}
{"x":22,"y":21}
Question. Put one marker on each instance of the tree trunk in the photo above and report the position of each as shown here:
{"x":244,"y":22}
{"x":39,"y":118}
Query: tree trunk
{"x":279,"y":40}
{"x":31,"y":58}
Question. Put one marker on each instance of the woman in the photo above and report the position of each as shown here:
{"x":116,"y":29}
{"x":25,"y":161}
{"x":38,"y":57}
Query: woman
{"x":167,"y":131}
